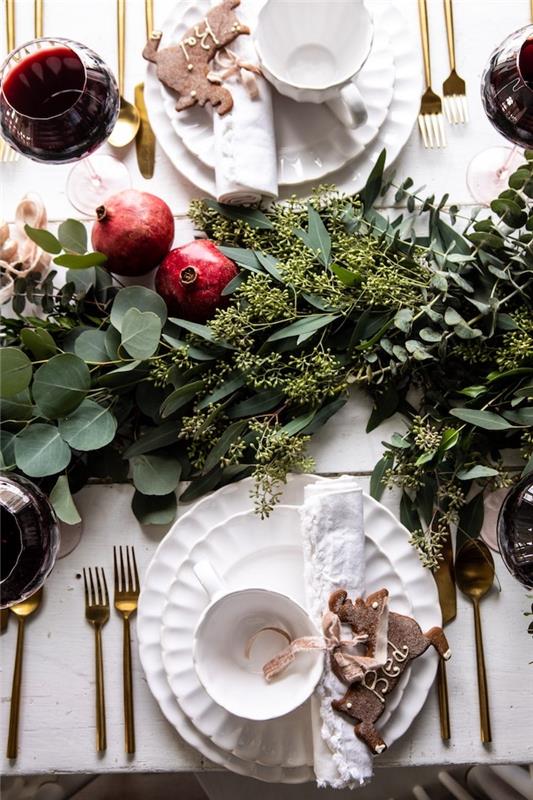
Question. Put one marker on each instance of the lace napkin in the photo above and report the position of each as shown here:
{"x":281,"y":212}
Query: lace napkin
{"x":334,"y":553}
{"x":246,"y":162}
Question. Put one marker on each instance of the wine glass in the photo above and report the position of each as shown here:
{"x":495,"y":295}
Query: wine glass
{"x":507,"y":95}
{"x":29,"y":537}
{"x":515,"y":531}
{"x":58,"y":102}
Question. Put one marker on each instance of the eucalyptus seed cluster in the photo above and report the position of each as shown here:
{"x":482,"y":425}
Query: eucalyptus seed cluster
{"x":516,"y":349}
{"x":430,"y":542}
{"x":426,"y":436}
{"x":264,"y":302}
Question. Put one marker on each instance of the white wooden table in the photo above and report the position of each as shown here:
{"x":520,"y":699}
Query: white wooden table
{"x":57,"y":723}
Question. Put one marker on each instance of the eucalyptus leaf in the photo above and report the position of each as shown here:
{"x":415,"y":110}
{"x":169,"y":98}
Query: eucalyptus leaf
{"x":201,"y":485}
{"x":60,"y":385}
{"x":470,"y":520}
{"x":154,"y":439}
{"x":39,"y":342}
{"x":40,"y":451}
{"x":261,"y":402}
{"x":72,"y":235}
{"x":140,"y":298}
{"x":269,"y":263}
{"x":89,"y":427}
{"x":75,"y":261}
{"x":346,"y":276}
{"x":487,"y":420}
{"x":371,"y":191}
{"x":377,"y":483}
{"x":308,"y":325}
{"x":155,"y":474}
{"x":403,"y":320}
{"x":7,"y":450}
{"x":62,"y":502}
{"x":242,"y":257}
{"x":234,"y":284}
{"x":449,"y":439}
{"x":154,"y":509}
{"x":43,"y":239}
{"x":430,"y":335}
{"x":140,"y":333}
{"x":83,"y":279}
{"x":91,"y":347}
{"x":180,"y":397}
{"x":202,"y":331}
{"x":15,"y":371}
{"x":227,"y":387}
{"x":524,"y":416}
{"x":232,"y":433}
{"x":477,"y":471}
{"x":298,"y":424}
{"x":252,"y":216}
{"x":18,"y":407}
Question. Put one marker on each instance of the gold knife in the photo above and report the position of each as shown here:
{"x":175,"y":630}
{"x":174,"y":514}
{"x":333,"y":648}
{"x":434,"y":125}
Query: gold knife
{"x":445,"y":579}
{"x":145,"y":139}
{"x":38,"y":18}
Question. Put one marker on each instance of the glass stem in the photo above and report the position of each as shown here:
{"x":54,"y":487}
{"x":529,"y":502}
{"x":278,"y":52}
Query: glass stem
{"x":95,"y":177}
{"x":505,"y":167}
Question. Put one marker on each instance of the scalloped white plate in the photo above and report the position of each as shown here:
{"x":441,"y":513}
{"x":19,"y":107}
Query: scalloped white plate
{"x":392,"y":135}
{"x":249,"y":552}
{"x":174,"y":549}
{"x":311,"y":142}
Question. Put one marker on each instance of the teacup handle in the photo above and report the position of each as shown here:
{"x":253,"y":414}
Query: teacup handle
{"x":349,"y":107}
{"x":209,"y":578}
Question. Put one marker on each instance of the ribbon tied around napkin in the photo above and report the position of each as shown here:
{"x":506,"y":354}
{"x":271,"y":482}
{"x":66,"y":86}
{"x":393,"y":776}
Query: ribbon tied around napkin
{"x":231,"y":65}
{"x":351,"y":666}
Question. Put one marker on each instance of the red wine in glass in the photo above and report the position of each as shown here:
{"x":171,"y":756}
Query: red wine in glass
{"x":58,"y":102}
{"x":507,"y":96}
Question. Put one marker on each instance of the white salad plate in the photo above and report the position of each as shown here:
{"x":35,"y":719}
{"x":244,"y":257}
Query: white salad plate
{"x":175,"y":548}
{"x":311,"y":142}
{"x":393,"y":133}
{"x":267,"y":554}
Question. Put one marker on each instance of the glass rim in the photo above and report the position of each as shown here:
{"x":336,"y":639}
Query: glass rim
{"x":529,"y":37}
{"x":76,"y":47}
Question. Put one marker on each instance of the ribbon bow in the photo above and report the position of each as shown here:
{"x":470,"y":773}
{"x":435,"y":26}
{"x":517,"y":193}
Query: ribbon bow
{"x":231,"y":65}
{"x":350,"y":665}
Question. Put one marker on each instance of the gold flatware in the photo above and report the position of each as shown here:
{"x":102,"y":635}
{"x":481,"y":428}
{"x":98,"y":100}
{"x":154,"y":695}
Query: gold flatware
{"x":430,"y":119}
{"x":97,"y":614}
{"x":4,"y":619}
{"x":145,"y":139}
{"x":38,"y":18}
{"x":445,"y":580}
{"x":454,"y":87}
{"x":126,"y":596}
{"x":21,"y":611}
{"x":128,"y":121}
{"x":7,"y":154}
{"x":474,"y":569}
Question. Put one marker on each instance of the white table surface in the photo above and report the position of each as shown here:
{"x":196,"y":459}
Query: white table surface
{"x":57,"y":716}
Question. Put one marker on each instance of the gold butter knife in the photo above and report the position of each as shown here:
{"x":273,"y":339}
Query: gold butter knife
{"x":38,"y":18}
{"x":145,"y":139}
{"x":445,"y":579}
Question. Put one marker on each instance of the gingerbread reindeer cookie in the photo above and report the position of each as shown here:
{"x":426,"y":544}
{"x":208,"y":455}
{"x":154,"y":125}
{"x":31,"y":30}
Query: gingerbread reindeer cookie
{"x":365,"y":700}
{"x":185,"y":67}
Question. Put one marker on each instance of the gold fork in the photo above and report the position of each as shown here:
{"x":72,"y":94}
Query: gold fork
{"x":430,"y":119}
{"x":454,"y":87}
{"x":7,"y":154}
{"x":126,"y":597}
{"x":21,"y":611}
{"x":97,"y":614}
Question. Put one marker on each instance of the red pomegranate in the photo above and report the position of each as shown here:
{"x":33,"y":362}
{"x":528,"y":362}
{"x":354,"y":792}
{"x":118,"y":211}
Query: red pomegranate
{"x":191,"y":279}
{"x":135,"y":230}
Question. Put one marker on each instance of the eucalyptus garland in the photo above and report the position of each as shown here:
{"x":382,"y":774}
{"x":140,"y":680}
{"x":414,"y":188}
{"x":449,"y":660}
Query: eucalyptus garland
{"x":434,"y":320}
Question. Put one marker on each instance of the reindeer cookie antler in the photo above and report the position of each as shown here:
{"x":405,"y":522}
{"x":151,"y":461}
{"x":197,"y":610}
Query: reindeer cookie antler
{"x":184,"y":67}
{"x":365,"y":700}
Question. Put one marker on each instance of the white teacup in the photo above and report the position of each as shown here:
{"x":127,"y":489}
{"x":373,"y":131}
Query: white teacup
{"x":312,"y":50}
{"x":230,"y":670}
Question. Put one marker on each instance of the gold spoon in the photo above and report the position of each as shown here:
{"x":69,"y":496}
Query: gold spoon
{"x":128,"y":120}
{"x":474,"y":572}
{"x":21,"y":611}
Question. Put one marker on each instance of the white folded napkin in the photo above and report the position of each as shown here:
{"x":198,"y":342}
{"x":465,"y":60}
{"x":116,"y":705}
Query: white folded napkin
{"x":334,"y":553}
{"x":246,"y":162}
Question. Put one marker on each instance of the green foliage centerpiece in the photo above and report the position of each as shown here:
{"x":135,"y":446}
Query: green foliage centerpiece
{"x":434,"y":324}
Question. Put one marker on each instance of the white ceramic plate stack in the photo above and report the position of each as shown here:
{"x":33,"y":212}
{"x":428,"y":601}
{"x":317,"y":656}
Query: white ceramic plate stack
{"x":312,"y":144}
{"x":249,"y":552}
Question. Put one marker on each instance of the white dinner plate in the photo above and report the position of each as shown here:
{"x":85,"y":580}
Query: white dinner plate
{"x":174,"y":549}
{"x":392,"y":135}
{"x":268,"y":554}
{"x":311,"y":142}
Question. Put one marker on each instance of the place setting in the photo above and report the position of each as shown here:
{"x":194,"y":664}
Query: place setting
{"x":290,"y":626}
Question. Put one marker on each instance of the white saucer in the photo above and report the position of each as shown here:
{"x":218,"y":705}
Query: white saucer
{"x":392,"y":135}
{"x":265,"y":554}
{"x":174,"y":549}
{"x":311,"y":142}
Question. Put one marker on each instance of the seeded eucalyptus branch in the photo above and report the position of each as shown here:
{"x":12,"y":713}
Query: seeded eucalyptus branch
{"x":428,"y":312}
